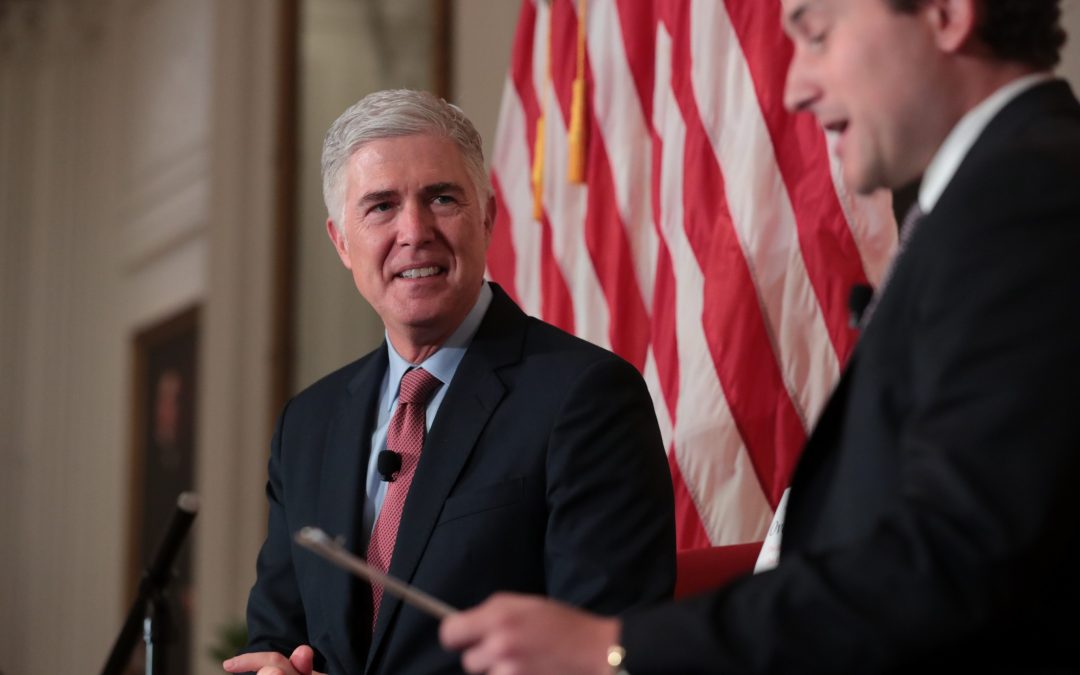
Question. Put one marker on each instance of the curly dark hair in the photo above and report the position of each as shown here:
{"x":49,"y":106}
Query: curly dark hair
{"x":1025,"y":31}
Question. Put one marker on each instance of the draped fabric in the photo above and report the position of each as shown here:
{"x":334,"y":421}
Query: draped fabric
{"x":673,"y":211}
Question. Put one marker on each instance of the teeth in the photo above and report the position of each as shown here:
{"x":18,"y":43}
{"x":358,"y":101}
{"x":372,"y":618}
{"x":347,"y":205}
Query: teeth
{"x":420,"y":272}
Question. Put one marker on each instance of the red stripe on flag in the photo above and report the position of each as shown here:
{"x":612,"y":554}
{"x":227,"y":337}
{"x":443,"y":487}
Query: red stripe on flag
{"x":521,"y":70}
{"x":828,"y":247}
{"x":556,"y":304}
{"x":637,"y":21}
{"x":613,"y":258}
{"x":735,"y":330}
{"x":501,"y":257}
{"x":689,"y":530}
{"x":563,"y":55}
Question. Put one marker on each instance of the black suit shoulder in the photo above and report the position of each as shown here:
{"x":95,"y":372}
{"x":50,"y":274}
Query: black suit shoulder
{"x":1023,"y":169}
{"x":338,"y":382}
{"x":560,"y":351}
{"x":317,"y":404}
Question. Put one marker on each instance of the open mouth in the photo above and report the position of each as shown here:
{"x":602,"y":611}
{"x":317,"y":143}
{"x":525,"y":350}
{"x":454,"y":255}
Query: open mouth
{"x":838,"y":127}
{"x":421,"y":272}
{"x":836,"y":131}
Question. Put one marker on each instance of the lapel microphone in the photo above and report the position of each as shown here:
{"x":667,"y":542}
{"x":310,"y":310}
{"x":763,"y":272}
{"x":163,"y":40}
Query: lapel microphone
{"x":858,"y":300}
{"x":388,"y":464}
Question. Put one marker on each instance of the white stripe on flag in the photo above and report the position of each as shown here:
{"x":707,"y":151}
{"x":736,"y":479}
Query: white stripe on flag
{"x":510,"y":162}
{"x":626,"y":139}
{"x":565,"y":204}
{"x":652,"y":381}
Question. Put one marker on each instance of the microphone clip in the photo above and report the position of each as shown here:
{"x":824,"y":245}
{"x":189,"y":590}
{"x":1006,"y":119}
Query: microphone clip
{"x":388,"y":465}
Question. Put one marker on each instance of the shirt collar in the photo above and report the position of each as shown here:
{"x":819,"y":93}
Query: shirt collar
{"x":959,"y":141}
{"x":444,"y":362}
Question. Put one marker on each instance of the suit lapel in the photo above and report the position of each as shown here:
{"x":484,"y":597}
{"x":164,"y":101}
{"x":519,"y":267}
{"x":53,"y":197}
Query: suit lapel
{"x":821,"y":440}
{"x":348,"y":445}
{"x":474,"y":394}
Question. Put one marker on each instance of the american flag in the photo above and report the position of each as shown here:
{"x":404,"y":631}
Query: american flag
{"x":655,"y":198}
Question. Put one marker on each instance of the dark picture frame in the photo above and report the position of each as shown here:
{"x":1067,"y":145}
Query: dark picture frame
{"x":164,"y":403}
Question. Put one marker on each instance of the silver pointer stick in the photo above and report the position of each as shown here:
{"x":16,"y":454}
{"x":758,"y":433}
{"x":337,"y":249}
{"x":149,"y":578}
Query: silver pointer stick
{"x":318,"y":541}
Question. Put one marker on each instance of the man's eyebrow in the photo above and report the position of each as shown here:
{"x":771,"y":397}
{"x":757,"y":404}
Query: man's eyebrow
{"x":377,"y":197}
{"x":443,"y":187}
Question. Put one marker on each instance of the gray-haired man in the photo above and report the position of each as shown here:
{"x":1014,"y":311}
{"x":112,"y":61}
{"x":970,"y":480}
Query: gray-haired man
{"x":542,"y":468}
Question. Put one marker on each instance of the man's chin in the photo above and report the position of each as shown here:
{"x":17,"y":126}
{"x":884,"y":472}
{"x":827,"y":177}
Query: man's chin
{"x":861,"y":181}
{"x":428,"y":320}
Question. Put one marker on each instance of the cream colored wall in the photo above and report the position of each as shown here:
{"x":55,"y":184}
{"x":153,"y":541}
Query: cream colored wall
{"x":135,"y":160}
{"x":483,"y":38}
{"x":62,"y":505}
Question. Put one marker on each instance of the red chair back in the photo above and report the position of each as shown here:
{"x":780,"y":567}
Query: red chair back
{"x":703,"y":569}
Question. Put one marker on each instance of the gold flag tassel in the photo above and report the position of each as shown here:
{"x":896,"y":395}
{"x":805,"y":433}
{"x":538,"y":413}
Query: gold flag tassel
{"x":576,"y":166}
{"x":538,"y":170}
{"x":538,"y":144}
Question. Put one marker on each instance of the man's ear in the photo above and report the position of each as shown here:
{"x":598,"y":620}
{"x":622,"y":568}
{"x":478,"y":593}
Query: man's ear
{"x":341,"y":242}
{"x":489,"y":218}
{"x":953,"y":22}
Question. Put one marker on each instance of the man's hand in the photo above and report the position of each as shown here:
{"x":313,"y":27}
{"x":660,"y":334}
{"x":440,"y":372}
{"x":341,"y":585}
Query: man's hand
{"x":272,"y":663}
{"x":527,"y":635}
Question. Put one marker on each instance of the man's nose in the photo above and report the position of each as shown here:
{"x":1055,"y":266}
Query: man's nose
{"x":415,"y":224}
{"x":800,"y":90}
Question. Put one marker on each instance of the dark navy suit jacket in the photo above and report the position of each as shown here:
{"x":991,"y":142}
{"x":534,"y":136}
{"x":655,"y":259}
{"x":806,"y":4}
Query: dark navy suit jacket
{"x":543,"y":472}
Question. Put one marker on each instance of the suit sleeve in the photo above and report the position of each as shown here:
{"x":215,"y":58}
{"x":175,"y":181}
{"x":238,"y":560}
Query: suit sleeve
{"x":610,"y":540}
{"x":987,"y":461}
{"x":275,"y":612}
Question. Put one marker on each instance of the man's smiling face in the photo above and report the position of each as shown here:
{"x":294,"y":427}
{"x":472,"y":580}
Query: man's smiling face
{"x":414,"y":234}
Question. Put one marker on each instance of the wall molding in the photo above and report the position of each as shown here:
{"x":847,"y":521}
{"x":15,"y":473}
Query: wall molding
{"x":165,"y":208}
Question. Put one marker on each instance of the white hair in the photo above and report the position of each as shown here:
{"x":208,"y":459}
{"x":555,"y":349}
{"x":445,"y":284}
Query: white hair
{"x":392,"y":113}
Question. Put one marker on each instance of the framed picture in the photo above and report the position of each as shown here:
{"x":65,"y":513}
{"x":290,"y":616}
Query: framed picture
{"x":163,"y":463}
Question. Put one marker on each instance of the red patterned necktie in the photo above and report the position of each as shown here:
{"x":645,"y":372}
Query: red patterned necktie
{"x":405,"y":436}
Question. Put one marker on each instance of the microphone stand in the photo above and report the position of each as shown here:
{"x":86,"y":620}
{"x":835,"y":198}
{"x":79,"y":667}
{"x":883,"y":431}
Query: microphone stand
{"x":149,"y":610}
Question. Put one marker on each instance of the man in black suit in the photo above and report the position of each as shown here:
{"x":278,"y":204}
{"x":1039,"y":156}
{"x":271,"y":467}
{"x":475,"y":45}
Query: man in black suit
{"x":932,"y":523}
{"x":543,"y":470}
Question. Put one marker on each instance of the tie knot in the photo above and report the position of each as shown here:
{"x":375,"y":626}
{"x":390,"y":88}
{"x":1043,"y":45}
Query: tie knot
{"x":417,"y":386}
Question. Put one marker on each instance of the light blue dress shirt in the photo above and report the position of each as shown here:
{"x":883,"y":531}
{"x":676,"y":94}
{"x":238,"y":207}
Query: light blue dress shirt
{"x":442,"y":364}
